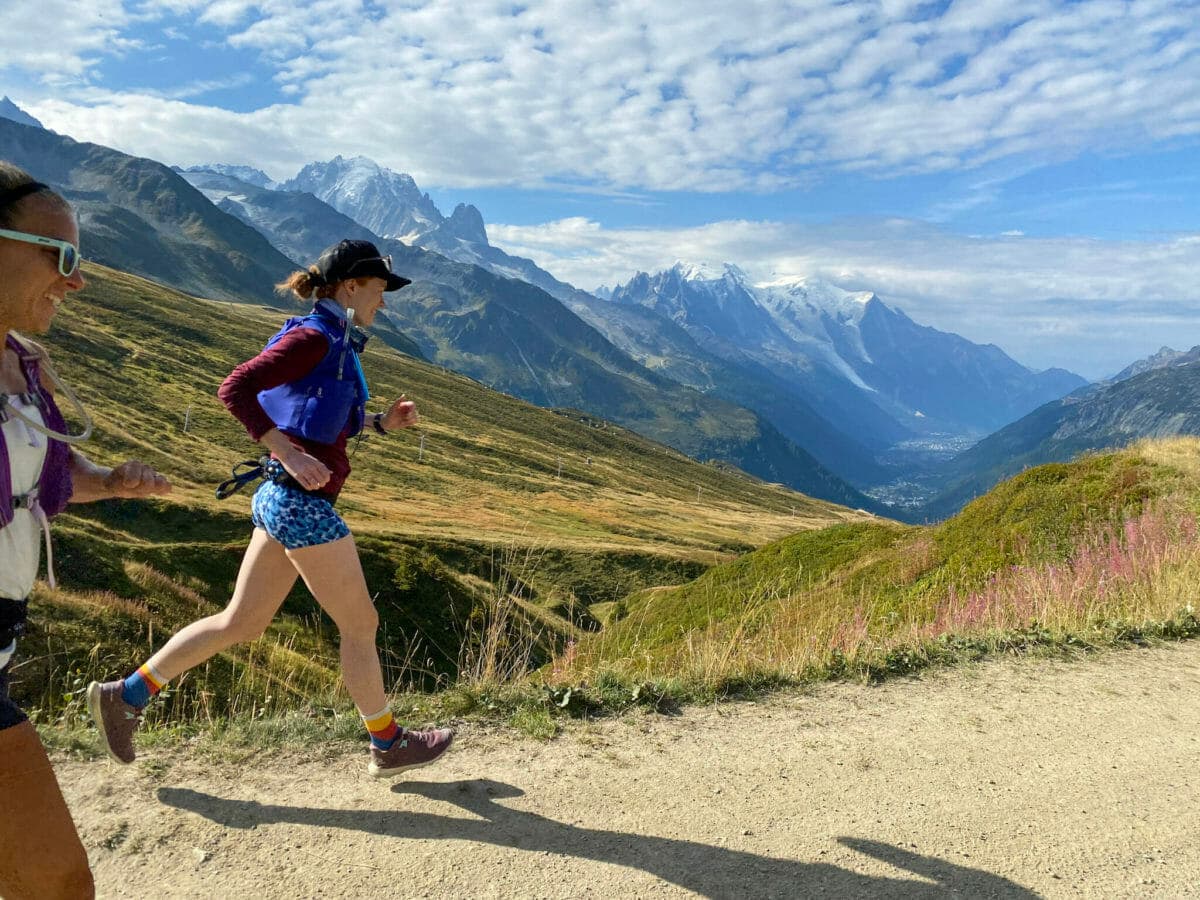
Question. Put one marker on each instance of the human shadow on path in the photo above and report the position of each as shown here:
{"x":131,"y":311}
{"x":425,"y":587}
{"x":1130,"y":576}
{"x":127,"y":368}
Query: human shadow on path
{"x":710,"y":871}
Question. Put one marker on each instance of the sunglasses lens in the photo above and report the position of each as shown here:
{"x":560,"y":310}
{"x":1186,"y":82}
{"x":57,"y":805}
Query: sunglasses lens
{"x":68,"y":260}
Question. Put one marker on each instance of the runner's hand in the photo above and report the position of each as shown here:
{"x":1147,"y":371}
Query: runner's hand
{"x":135,"y":479}
{"x":402,"y":414}
{"x":310,"y":473}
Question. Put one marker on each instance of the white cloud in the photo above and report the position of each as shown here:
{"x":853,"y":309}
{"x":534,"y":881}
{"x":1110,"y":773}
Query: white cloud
{"x":629,"y":95}
{"x":1090,"y":305}
{"x":635,"y":95}
{"x":212,"y":134}
{"x":226,"y":13}
{"x":59,"y":41}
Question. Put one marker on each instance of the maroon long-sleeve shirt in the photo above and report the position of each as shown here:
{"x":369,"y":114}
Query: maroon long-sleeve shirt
{"x":291,"y":358}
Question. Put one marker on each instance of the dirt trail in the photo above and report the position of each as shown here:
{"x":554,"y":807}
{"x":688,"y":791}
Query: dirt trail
{"x":1011,"y":779}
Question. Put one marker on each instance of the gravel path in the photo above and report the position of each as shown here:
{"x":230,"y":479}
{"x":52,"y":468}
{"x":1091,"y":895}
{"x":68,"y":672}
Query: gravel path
{"x":1017,"y":778}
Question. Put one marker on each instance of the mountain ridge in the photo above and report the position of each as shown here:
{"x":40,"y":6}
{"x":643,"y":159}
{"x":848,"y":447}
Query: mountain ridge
{"x":494,"y":329}
{"x":140,"y":215}
{"x":813,"y":333}
{"x":9,"y":110}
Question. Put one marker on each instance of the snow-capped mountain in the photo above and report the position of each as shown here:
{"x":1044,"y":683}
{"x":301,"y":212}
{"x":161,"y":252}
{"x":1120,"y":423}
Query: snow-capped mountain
{"x":852,"y":356}
{"x":722,"y":311}
{"x":297,"y":223}
{"x":10,"y":110}
{"x":392,"y":206}
{"x":388,"y":203}
{"x":716,"y":305}
{"x":248,"y":174}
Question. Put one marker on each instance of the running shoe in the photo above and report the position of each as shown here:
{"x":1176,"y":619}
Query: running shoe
{"x":115,"y":719}
{"x":411,"y":750}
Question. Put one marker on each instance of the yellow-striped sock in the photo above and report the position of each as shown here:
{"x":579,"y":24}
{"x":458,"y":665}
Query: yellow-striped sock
{"x":142,"y":685}
{"x":383,"y":728}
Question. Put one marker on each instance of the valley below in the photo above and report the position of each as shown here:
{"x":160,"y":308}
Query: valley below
{"x":917,"y":463}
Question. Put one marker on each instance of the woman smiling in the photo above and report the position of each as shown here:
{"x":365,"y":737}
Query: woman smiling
{"x":40,"y":472}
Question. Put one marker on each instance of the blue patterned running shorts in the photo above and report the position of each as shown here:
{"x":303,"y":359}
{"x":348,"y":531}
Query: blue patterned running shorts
{"x":294,"y":518}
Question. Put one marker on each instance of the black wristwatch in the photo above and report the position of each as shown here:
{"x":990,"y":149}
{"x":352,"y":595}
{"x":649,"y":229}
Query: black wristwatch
{"x":377,"y":423}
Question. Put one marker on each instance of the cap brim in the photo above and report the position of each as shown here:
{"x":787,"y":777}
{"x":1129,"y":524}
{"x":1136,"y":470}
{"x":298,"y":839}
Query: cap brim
{"x":395,"y":282}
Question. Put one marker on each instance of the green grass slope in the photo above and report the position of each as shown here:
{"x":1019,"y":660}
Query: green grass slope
{"x":1102,"y":547}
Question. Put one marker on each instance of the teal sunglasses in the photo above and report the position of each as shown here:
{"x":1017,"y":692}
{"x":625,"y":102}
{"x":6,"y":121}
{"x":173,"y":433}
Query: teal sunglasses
{"x":68,"y":253}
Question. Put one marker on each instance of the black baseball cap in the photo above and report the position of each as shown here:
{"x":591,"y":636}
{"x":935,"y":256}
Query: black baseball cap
{"x":358,"y":259}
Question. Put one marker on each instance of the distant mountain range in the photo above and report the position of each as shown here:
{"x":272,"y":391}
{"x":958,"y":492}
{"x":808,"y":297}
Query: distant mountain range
{"x":296,"y":222}
{"x":1164,"y":357}
{"x":844,"y":377}
{"x":848,"y":352}
{"x":518,"y":339}
{"x":143,"y":217}
{"x":792,"y":380}
{"x":662,"y":344}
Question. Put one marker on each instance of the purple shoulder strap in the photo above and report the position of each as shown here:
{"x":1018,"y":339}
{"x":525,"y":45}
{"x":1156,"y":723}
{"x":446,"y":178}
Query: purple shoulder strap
{"x":54,"y":485}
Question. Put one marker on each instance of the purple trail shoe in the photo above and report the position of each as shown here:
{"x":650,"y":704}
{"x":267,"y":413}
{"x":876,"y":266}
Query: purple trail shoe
{"x":115,"y":719}
{"x":411,"y":750}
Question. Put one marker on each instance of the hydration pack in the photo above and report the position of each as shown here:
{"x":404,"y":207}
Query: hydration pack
{"x":333,"y":396}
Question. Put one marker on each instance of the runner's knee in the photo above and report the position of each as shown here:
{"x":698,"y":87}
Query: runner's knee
{"x":240,"y":629}
{"x":358,"y":623}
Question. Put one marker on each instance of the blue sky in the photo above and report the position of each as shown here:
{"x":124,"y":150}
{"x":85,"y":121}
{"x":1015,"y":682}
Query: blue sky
{"x":1022,"y":172}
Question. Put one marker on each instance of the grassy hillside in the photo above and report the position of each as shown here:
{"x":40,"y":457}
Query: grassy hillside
{"x":562,"y":510}
{"x":522,"y":539}
{"x":1103,"y":548}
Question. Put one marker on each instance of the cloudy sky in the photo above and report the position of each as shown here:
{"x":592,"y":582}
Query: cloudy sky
{"x":1022,"y":172}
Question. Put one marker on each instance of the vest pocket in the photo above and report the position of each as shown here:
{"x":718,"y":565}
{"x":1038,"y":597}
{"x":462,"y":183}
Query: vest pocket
{"x":324,"y":412}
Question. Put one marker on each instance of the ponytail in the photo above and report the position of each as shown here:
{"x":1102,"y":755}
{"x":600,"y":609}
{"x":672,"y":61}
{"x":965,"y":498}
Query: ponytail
{"x":303,"y":283}
{"x":307,"y":284}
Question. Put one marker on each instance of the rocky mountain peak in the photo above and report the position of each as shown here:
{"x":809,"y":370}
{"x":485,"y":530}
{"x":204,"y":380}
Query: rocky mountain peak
{"x":466,"y":222}
{"x":388,"y":203}
{"x":816,"y":296}
{"x":10,"y":110}
{"x":703,"y":271}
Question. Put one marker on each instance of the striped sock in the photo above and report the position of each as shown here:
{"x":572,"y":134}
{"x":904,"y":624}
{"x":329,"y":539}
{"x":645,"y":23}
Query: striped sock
{"x":141,"y":686}
{"x":383,"y":728}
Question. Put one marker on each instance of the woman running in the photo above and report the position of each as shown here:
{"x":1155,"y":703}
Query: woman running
{"x":40,"y":472}
{"x":303,"y":397}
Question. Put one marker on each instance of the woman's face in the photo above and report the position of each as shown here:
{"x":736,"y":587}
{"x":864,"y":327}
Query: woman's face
{"x":366,"y":300}
{"x":31,"y":287}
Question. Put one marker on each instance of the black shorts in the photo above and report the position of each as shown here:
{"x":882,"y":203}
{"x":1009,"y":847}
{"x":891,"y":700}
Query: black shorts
{"x":12,"y":625}
{"x":10,"y":713}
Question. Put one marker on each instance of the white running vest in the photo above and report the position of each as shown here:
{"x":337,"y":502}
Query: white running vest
{"x":21,"y":539}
